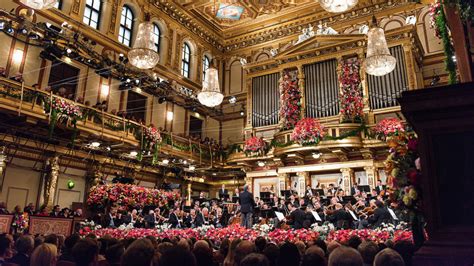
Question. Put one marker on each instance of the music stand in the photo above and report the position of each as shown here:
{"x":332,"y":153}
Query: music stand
{"x":364,"y":188}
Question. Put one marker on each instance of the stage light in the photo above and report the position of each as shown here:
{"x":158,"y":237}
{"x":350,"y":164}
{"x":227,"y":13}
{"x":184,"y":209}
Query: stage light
{"x":261,"y":164}
{"x":95,"y":144}
{"x":214,"y":174}
{"x":137,"y":81}
{"x":242,"y":113}
{"x":185,"y":162}
{"x":128,"y":80}
{"x":316,"y":155}
{"x":17,"y":56}
{"x":192,"y":168}
{"x":2,"y":25}
{"x":169,"y":115}
{"x":165,"y":161}
{"x":133,"y":153}
{"x":197,"y":115}
{"x":68,"y":50}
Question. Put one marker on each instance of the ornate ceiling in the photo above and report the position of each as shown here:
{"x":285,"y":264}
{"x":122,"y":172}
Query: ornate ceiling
{"x":227,"y":16}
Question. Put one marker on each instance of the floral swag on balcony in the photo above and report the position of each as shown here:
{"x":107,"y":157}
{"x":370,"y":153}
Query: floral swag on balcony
{"x":290,"y":102}
{"x":308,"y":131}
{"x":255,"y":146}
{"x":62,"y":111}
{"x":351,"y":100}
{"x":388,"y":127}
{"x":150,"y":142}
{"x":127,"y":196}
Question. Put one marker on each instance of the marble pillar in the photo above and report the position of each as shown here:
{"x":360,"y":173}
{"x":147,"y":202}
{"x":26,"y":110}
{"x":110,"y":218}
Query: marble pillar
{"x":347,"y":174}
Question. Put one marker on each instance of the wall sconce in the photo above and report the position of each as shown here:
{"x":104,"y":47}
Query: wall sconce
{"x":17,"y":56}
{"x":104,"y":90}
{"x":169,"y":116}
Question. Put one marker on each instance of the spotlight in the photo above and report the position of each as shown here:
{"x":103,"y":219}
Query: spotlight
{"x":214,"y":174}
{"x":10,"y":30}
{"x":166,"y":161}
{"x":454,"y":58}
{"x":261,"y":164}
{"x":95,"y":144}
{"x":2,"y":25}
{"x":185,"y":162}
{"x":232,"y":100}
{"x":128,"y":80}
{"x":242,"y":113}
{"x":316,"y":155}
{"x":192,"y":168}
{"x":23,"y":31}
{"x":197,"y":115}
{"x":68,"y":50}
{"x":133,"y":153}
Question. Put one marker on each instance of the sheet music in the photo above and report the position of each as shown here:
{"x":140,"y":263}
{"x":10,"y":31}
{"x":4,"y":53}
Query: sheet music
{"x":280,"y":216}
{"x":353,"y":215}
{"x":316,"y":216}
{"x":392,"y":213}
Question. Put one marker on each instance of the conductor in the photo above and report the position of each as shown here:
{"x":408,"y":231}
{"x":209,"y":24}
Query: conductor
{"x":246,"y":207}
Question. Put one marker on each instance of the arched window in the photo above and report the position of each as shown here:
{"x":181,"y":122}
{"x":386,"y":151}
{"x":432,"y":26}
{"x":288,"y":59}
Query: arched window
{"x":156,"y":37}
{"x":126,"y":26}
{"x":186,"y":60}
{"x":206,"y":62}
{"x":59,"y":4}
{"x":92,"y":13}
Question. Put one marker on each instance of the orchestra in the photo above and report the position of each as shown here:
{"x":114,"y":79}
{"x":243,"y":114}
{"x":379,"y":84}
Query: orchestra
{"x":360,"y":210}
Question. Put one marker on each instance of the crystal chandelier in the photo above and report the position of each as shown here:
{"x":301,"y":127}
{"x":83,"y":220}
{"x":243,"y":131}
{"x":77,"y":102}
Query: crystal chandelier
{"x":39,"y":4}
{"x":211,"y":95}
{"x":378,"y":62}
{"x":143,"y":54}
{"x":337,"y":6}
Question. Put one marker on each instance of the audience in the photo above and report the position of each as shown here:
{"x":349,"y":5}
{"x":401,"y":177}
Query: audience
{"x":345,"y":256}
{"x":85,"y":252}
{"x":44,"y":255}
{"x":24,"y":246}
{"x":388,"y":257}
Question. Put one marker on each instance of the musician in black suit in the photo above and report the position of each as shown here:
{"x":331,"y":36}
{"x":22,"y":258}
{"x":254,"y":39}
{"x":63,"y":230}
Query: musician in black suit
{"x":381,"y":215}
{"x":223,"y":193}
{"x":247,"y":203}
{"x":379,"y":187}
{"x":332,"y":190}
{"x":174,"y":219}
{"x":354,"y":189}
{"x":150,"y":219}
{"x":297,"y":217}
{"x":309,"y":192}
{"x":340,"y":218}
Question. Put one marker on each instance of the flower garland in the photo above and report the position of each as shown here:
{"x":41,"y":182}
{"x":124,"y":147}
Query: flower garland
{"x":150,"y":141}
{"x":277,"y":236}
{"x":350,"y":96}
{"x":255,"y":146}
{"x":20,"y":222}
{"x":438,"y":22}
{"x":62,"y":111}
{"x":308,"y":131}
{"x":128,"y":196}
{"x":388,"y":127}
{"x":290,"y":102}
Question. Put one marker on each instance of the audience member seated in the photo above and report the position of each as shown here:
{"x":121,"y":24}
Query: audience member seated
{"x":44,"y":255}
{"x":388,"y":257}
{"x":24,"y":246}
{"x":345,"y":256}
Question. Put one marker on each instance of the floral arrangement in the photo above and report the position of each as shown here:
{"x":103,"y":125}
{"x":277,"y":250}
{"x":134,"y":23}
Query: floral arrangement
{"x":237,"y":232}
{"x":151,"y":142}
{"x":350,"y":96}
{"x":308,"y":131}
{"x":128,"y":196}
{"x":88,"y":226}
{"x":290,"y":102}
{"x":388,"y":127}
{"x":20,"y":222}
{"x":255,"y":146}
{"x":403,"y":179}
{"x":62,"y":111}
{"x":439,"y":22}
{"x":264,"y":229}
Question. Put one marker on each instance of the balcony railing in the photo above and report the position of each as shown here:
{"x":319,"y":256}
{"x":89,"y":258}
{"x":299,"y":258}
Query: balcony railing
{"x":16,"y":97}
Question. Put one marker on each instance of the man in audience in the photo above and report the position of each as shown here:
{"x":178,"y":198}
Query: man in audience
{"x":368,"y":250}
{"x":255,"y":259}
{"x":345,"y":256}
{"x":5,"y":248}
{"x":85,"y":252}
{"x":388,"y":257}
{"x":139,"y":253}
{"x":24,"y":246}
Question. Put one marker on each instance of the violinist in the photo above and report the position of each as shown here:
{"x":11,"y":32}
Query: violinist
{"x":296,"y":218}
{"x":331,"y":190}
{"x":293,"y":201}
{"x":340,"y":217}
{"x":355,"y":190}
{"x":379,"y":187}
{"x":174,"y":219}
{"x":282,"y":207}
{"x":381,"y":215}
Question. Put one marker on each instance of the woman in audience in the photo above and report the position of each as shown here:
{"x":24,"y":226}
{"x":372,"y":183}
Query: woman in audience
{"x":44,"y":255}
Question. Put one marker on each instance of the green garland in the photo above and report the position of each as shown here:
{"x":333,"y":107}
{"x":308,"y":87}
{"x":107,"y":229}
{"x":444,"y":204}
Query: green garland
{"x":440,"y":21}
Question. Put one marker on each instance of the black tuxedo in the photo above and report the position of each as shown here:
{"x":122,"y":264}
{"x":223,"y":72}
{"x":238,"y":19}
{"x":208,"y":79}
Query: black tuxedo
{"x":199,"y":221}
{"x":223,"y":194}
{"x":380,"y":188}
{"x":297,"y":218}
{"x":381,"y":215}
{"x":341,"y":219}
{"x":174,"y":221}
{"x":246,"y":202}
{"x":353,"y":190}
{"x":150,"y":220}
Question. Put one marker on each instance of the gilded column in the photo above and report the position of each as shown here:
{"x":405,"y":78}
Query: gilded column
{"x":249,"y":103}
{"x":303,"y":178}
{"x":346,"y":180}
{"x":363,"y":82}
{"x":370,"y":171}
{"x":301,"y":86}
{"x":3,"y":164}
{"x":188,"y":198}
{"x":410,"y":66}
{"x":51,"y":181}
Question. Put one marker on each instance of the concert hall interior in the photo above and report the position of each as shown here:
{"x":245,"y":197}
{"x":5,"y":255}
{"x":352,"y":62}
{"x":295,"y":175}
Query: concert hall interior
{"x":236,"y":132}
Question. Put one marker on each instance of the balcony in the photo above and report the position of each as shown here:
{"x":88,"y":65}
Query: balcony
{"x":24,"y":113}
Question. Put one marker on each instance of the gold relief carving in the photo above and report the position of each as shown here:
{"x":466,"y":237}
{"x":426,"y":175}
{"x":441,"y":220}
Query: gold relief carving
{"x":370,"y":172}
{"x":5,"y":223}
{"x":346,"y":179}
{"x":76,"y":6}
{"x":170,"y":45}
{"x":113,"y":17}
{"x":46,"y":226}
